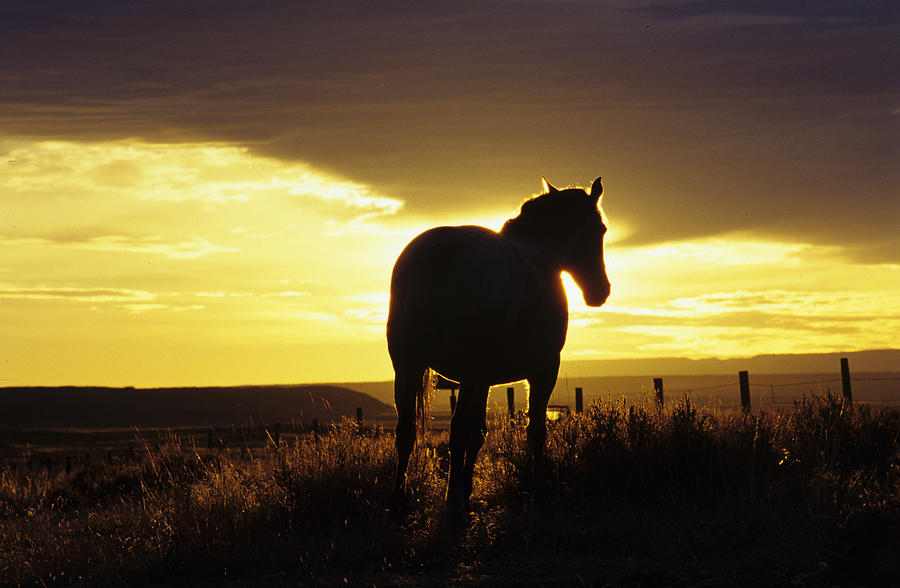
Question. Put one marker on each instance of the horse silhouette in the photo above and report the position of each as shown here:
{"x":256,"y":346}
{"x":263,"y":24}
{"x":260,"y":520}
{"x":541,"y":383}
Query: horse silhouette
{"x":503,"y":319}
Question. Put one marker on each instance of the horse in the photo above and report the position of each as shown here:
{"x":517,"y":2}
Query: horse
{"x":483,"y":308}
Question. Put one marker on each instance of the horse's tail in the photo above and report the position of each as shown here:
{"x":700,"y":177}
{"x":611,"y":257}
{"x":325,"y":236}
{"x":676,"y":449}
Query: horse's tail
{"x":423,"y":400}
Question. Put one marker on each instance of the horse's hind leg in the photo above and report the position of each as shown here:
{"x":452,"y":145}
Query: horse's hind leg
{"x":407,"y":387}
{"x":466,"y":439}
{"x":476,"y":441}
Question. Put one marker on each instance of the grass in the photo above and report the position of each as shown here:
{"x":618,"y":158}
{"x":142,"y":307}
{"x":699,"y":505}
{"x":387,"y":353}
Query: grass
{"x":632,"y":496}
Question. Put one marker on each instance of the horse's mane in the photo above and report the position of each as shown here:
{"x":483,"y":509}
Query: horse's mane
{"x":548,"y":215}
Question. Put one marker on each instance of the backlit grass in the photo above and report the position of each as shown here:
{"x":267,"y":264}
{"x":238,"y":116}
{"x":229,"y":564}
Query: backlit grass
{"x":631,"y":495}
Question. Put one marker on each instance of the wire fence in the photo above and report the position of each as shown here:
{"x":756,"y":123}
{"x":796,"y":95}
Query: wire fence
{"x":775,"y":391}
{"x":763,"y":391}
{"x":785,"y":394}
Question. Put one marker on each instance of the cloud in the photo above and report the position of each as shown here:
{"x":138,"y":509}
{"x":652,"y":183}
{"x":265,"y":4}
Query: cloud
{"x":287,"y":294}
{"x":875,"y":12}
{"x":836,"y":305}
{"x":738,"y":250}
{"x":749,"y":149}
{"x":736,"y":295}
{"x":215,"y":173}
{"x":191,"y":248}
{"x":730,"y":332}
{"x":804,"y":306}
{"x":90,"y":295}
{"x":188,"y":249}
{"x":705,"y":117}
{"x":133,"y":301}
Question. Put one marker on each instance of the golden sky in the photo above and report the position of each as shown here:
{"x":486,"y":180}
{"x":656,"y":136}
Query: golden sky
{"x":200,"y":196}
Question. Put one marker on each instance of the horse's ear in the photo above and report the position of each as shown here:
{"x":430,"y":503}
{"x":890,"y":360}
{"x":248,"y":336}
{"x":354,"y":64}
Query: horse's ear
{"x":548,"y":189}
{"x":596,"y":190}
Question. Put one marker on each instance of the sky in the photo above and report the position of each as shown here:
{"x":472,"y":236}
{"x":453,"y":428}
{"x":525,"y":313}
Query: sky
{"x":198,"y":193}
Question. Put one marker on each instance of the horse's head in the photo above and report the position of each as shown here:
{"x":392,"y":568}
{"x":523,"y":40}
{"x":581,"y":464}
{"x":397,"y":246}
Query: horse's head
{"x":568,"y":225}
{"x":583,"y":255}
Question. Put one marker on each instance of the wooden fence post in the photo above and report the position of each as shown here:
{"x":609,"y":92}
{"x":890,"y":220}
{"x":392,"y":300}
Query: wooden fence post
{"x":359,"y":415}
{"x":845,"y":380}
{"x":744,"y":379}
{"x":511,"y":401}
{"x":658,"y":386}
{"x":579,"y":399}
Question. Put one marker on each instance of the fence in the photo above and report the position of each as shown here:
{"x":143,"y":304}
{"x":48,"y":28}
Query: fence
{"x":744,"y":391}
{"x":745,"y":387}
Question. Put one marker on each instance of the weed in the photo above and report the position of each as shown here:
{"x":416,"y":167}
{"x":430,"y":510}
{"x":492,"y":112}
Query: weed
{"x":684,"y":494}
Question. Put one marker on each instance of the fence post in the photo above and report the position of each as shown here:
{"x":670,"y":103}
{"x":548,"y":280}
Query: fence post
{"x":579,"y":399}
{"x":658,"y":386}
{"x":452,"y":400}
{"x":359,"y":415}
{"x":744,"y":379}
{"x":511,"y":401}
{"x":845,"y":380}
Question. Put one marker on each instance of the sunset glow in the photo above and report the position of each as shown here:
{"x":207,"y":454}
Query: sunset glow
{"x":138,"y":263}
{"x":223,"y":204}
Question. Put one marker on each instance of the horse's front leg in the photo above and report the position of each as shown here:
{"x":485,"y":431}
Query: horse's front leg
{"x":541,"y":385}
{"x":466,"y":439}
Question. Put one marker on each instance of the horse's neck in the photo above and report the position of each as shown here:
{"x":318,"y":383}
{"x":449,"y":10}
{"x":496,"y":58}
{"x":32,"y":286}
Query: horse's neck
{"x":543,"y":252}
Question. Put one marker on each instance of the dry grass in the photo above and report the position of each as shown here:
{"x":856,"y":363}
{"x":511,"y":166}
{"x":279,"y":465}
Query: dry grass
{"x":632,"y":496}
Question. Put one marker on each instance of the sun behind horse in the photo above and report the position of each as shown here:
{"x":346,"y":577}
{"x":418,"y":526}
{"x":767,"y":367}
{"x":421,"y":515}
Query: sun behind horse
{"x":504,"y":320}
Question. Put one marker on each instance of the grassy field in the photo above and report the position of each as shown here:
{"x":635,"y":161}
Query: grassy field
{"x":633,"y":496}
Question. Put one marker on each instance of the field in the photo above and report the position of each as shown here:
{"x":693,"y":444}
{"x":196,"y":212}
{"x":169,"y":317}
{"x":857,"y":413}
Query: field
{"x":634,"y":496}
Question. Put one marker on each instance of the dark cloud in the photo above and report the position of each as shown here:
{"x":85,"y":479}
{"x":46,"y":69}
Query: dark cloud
{"x":705,"y":117}
{"x":831,"y":11}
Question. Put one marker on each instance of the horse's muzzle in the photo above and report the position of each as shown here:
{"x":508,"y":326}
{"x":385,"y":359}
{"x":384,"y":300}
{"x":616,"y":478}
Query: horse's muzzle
{"x":597,"y":297}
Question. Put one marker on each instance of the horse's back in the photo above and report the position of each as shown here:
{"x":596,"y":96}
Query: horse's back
{"x":458,"y":257}
{"x":459,"y":295}
{"x":448,"y":272}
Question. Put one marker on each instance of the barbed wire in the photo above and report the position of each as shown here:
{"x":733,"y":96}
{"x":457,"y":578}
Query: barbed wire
{"x":700,"y":389}
{"x":773,"y":385}
{"x":779,"y":385}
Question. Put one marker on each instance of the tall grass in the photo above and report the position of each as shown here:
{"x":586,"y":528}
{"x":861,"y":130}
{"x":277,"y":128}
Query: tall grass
{"x":631,"y":495}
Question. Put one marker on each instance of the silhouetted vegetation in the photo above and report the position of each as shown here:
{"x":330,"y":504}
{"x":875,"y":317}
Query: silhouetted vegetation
{"x":633,"y":496}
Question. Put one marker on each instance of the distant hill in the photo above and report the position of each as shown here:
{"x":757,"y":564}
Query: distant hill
{"x":881,"y":360}
{"x":100,"y":408}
